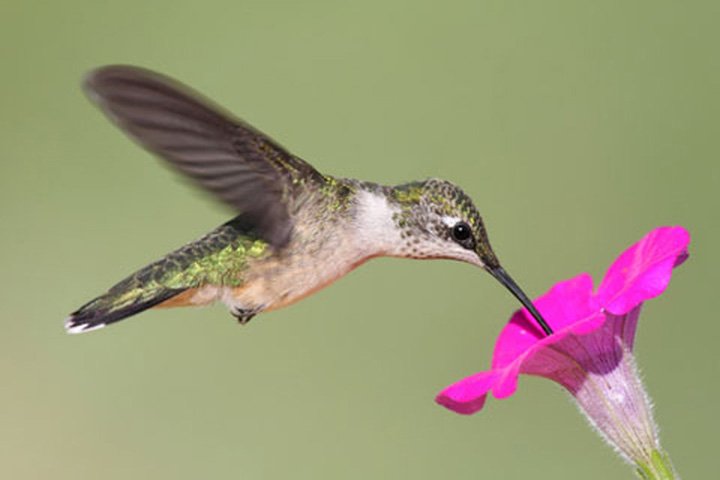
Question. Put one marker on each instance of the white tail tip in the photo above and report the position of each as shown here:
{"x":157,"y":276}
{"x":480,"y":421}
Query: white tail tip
{"x":74,"y":328}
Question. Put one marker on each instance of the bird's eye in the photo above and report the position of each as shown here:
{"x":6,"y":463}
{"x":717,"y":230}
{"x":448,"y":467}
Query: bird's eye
{"x":461,"y":233}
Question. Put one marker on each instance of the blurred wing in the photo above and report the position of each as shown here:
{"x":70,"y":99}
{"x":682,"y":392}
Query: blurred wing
{"x":239,"y":164}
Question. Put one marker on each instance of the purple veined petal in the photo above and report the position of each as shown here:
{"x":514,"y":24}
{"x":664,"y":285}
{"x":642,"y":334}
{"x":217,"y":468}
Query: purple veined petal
{"x":543,"y":352}
{"x":643,"y":271}
{"x":588,"y":324}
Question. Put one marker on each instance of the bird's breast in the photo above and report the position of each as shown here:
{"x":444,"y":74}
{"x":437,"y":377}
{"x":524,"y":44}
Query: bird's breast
{"x":281,"y":280}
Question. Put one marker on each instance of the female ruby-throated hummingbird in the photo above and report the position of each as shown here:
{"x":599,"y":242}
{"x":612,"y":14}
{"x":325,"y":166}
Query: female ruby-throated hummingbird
{"x":297,"y":230}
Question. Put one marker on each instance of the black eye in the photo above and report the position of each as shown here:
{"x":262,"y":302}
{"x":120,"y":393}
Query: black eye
{"x":461,"y":233}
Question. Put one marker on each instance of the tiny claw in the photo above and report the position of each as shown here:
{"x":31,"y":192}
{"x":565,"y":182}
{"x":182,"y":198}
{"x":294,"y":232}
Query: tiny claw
{"x":243,"y":316}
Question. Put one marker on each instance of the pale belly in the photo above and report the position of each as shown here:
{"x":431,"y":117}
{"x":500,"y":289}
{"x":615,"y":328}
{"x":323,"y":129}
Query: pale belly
{"x":271,"y":284}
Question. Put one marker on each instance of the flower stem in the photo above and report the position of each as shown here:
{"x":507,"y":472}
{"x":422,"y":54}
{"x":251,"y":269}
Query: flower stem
{"x":659,"y":468}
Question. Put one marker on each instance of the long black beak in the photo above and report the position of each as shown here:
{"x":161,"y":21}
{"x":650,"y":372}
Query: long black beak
{"x":502,"y":276}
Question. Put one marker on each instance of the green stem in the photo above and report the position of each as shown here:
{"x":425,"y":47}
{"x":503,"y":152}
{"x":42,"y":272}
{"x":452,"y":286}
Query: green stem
{"x":659,"y":468}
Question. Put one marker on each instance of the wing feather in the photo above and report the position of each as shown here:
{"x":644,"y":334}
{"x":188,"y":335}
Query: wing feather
{"x":239,"y":164}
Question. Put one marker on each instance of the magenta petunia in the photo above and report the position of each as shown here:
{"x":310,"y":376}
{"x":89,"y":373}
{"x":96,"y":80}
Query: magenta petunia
{"x":591,"y":329}
{"x":590,"y":352}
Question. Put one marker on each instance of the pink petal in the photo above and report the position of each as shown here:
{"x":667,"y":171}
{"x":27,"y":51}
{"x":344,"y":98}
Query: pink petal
{"x":565,"y":304}
{"x":467,"y":395}
{"x":507,"y":380}
{"x":643,"y":271}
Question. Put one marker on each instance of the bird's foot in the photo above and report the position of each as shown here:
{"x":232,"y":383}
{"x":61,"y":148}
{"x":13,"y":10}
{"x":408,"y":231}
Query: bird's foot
{"x":244,"y":315}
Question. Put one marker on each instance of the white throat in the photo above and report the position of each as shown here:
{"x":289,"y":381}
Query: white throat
{"x":376,"y":232}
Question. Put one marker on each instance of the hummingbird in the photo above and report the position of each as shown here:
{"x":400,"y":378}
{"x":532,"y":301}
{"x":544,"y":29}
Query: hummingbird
{"x":296,"y":230}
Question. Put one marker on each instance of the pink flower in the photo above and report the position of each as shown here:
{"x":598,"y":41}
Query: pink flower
{"x":590,"y":351}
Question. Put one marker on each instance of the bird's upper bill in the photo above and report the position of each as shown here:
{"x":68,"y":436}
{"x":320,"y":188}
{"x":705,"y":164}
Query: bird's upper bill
{"x":572,"y":308}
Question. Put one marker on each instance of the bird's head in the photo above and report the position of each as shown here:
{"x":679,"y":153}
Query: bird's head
{"x":437,"y":219}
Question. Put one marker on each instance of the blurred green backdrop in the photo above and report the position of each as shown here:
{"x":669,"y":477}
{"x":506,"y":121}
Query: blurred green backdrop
{"x":576,"y":125}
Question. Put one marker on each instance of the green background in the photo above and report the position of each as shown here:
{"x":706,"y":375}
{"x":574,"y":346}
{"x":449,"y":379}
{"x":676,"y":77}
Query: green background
{"x":577,"y":126}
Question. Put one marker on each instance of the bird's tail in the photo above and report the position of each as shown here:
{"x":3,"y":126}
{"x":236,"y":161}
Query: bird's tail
{"x":173,"y":280}
{"x":127,"y":298}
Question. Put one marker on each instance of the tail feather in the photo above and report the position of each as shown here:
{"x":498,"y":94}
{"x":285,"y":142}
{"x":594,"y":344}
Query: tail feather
{"x":114,"y":306}
{"x":205,"y":261}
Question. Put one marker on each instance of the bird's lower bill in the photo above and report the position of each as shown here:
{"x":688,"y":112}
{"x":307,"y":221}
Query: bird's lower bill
{"x":503,"y":277}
